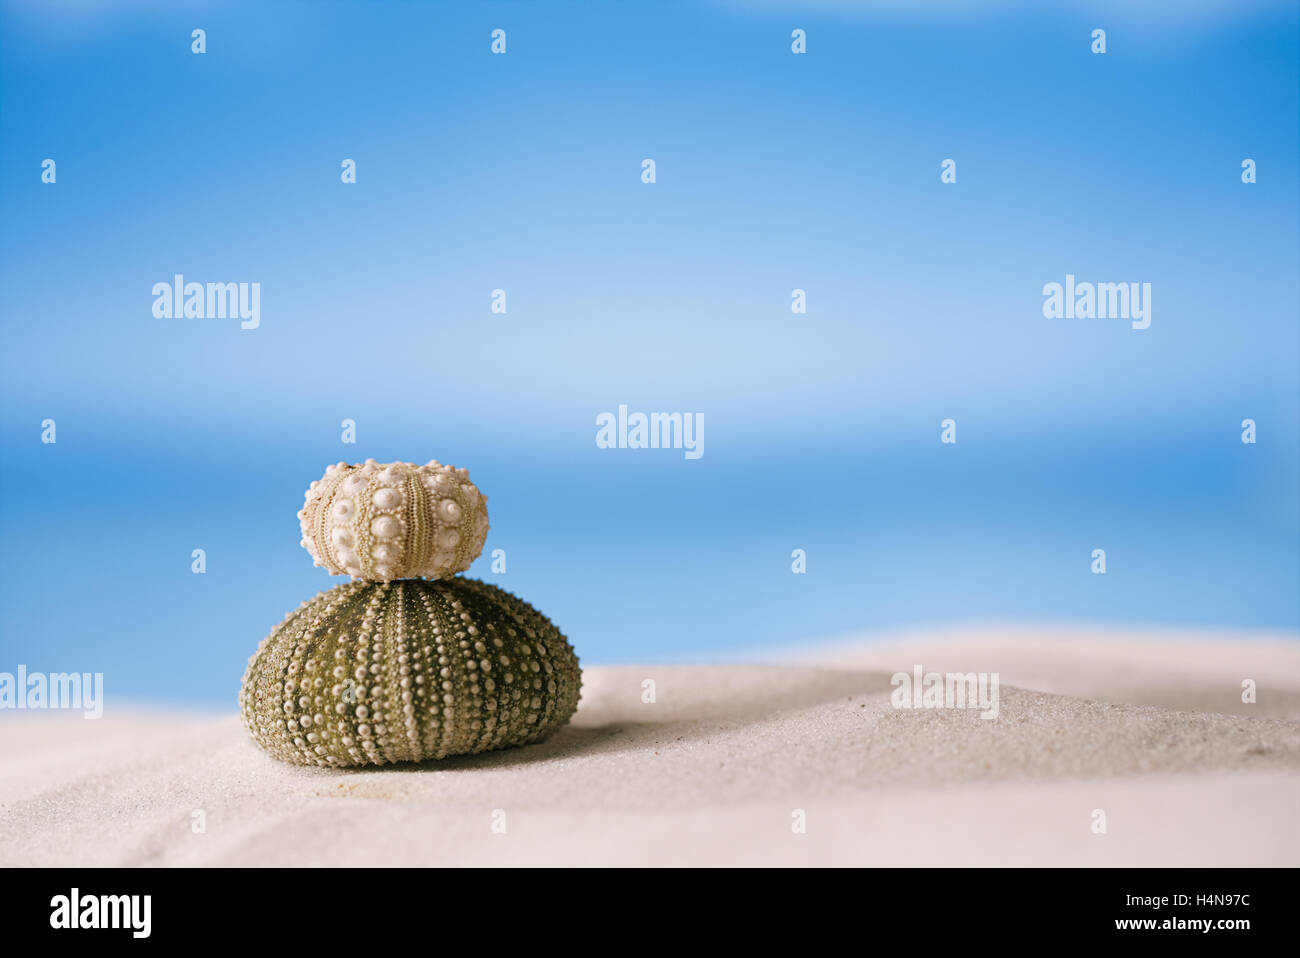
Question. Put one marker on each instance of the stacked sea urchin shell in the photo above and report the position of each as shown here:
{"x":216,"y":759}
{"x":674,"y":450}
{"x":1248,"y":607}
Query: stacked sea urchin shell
{"x":394,"y":668}
{"x":394,"y":521}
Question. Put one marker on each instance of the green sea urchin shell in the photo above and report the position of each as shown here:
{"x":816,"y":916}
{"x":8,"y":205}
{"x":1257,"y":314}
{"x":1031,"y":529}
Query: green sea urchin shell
{"x":370,"y":673}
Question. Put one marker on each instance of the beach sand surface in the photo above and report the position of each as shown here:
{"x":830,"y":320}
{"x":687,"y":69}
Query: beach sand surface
{"x":801,"y":760}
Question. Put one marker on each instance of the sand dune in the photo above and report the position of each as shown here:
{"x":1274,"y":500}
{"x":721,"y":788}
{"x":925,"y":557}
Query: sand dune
{"x":720,"y":766}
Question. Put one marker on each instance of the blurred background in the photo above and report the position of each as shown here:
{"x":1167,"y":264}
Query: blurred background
{"x":775,"y":171}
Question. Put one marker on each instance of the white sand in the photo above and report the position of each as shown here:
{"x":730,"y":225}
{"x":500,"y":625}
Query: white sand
{"x":1148,"y":728}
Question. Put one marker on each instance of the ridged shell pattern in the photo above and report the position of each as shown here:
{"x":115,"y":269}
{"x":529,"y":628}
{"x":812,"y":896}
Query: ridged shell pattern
{"x":373,"y":673}
{"x":385,"y":521}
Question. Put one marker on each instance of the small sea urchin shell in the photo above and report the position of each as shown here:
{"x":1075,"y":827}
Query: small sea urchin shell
{"x":385,"y":521}
{"x":371,"y":673}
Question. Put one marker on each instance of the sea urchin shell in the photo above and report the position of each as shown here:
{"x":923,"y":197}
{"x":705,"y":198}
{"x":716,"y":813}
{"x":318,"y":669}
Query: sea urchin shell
{"x":396,"y":520}
{"x":370,"y":673}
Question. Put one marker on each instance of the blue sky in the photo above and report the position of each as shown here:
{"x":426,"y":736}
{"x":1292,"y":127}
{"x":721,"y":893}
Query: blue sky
{"x":774,"y":171}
